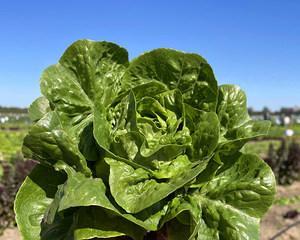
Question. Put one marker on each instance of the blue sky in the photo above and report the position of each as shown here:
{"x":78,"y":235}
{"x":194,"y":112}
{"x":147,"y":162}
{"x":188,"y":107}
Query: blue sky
{"x":255,"y":44}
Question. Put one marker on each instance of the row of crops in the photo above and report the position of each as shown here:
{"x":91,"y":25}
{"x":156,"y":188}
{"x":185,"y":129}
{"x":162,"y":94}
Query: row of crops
{"x":13,"y":168}
{"x":10,"y":146}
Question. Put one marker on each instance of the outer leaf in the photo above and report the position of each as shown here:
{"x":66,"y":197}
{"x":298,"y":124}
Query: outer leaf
{"x":38,"y":109}
{"x":236,"y":138}
{"x":78,"y":183}
{"x":224,"y":222}
{"x":232,"y":107}
{"x":90,"y":226}
{"x":236,"y":126}
{"x":85,"y":70}
{"x":48,"y":142}
{"x":61,"y":229}
{"x":248,"y":185}
{"x":98,"y":67}
{"x":67,"y":198}
{"x":60,"y":87}
{"x":150,"y":89}
{"x":233,"y":202}
{"x":189,"y":73}
{"x":185,"y":209}
{"x":33,"y":198}
{"x":177,"y":230}
{"x":89,"y":223}
{"x":182,"y":218}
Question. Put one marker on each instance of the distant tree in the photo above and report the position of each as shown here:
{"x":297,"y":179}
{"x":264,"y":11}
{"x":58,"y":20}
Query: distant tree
{"x":250,"y":111}
{"x":287,"y":111}
{"x":266,"y":113}
{"x":272,"y":159}
{"x":294,"y":160}
{"x":13,"y":110}
{"x":289,"y":164}
{"x":281,"y":170}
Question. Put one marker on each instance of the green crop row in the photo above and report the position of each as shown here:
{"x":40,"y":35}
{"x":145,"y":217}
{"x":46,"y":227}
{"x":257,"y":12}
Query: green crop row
{"x":10,"y":143}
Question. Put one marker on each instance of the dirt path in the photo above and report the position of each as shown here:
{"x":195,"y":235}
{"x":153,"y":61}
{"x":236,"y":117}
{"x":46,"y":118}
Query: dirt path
{"x":273,"y":221}
{"x":11,"y":234}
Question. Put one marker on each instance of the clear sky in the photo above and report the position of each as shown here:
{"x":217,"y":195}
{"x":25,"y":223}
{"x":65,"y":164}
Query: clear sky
{"x":255,"y":44}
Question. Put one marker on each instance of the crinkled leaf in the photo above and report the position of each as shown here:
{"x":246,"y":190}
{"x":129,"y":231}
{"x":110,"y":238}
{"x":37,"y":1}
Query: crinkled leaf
{"x":135,"y":189}
{"x":167,"y":169}
{"x":108,"y":122}
{"x":189,"y":73}
{"x":148,"y":129}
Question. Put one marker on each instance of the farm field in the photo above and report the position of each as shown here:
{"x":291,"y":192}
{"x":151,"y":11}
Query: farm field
{"x":11,"y":138}
{"x":11,"y":143}
{"x":279,"y":131}
{"x":260,"y":147}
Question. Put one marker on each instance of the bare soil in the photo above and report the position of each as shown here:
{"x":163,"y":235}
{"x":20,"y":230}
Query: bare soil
{"x":274,"y":221}
{"x":11,"y":234}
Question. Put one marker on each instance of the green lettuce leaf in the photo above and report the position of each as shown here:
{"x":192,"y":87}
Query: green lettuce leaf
{"x":231,"y":204}
{"x":38,"y":109}
{"x":33,"y":199}
{"x":87,"y":69}
{"x":236,"y":125}
{"x":50,"y":141}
